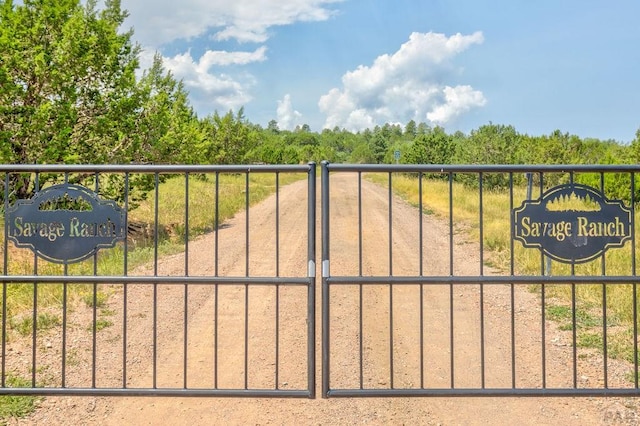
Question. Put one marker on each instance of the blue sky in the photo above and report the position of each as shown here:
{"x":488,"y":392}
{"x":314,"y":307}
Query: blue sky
{"x":539,"y":66}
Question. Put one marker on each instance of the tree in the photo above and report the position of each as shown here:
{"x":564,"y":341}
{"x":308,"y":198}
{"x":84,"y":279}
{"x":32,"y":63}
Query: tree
{"x":227,"y":139}
{"x":68,"y":91}
{"x":490,"y":144}
{"x":273,"y":126}
{"x":634,"y":152}
{"x":167,"y":128}
{"x":411,"y":129}
{"x":379,"y":146}
{"x":435,"y":147}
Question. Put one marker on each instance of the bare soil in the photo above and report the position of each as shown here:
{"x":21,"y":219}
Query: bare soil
{"x":377,"y":310}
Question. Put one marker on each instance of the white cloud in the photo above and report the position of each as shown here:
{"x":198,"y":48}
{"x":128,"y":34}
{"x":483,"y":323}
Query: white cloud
{"x":157,"y":22}
{"x":288,"y":118}
{"x":458,"y":100}
{"x":403,"y":86}
{"x":223,"y":58}
{"x":211,"y":90}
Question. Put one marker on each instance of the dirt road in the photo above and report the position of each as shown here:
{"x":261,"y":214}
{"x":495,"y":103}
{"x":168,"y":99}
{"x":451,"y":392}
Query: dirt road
{"x":345,"y":357}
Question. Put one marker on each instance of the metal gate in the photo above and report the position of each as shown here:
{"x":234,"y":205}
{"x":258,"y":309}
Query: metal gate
{"x":419,"y":296}
{"x":444,"y":294}
{"x":221,"y":315}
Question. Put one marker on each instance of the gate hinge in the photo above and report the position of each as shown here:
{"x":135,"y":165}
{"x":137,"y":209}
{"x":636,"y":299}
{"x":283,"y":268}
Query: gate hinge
{"x":312,"y":269}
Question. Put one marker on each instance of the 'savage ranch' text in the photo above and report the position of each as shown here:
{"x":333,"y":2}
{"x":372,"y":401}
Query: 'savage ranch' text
{"x":582,"y":227}
{"x":572,"y":223}
{"x":54,"y":230}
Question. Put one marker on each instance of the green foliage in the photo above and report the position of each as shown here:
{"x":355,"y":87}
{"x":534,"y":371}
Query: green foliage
{"x":96,"y":299}
{"x":24,"y":325}
{"x":17,"y":406}
{"x":490,"y":144}
{"x":564,"y":315}
{"x":69,"y":94}
{"x":168,"y":130}
{"x":226,"y":139}
{"x":101,"y":324}
{"x":433,"y":147}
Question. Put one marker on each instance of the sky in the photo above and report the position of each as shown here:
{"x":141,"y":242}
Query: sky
{"x":539,"y":66}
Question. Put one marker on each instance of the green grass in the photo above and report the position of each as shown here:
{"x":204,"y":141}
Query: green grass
{"x":564,"y":316}
{"x":96,"y":299}
{"x":17,"y":406}
{"x":170,"y":233}
{"x":169,"y":230}
{"x":101,"y":324}
{"x":24,"y":324}
{"x":496,"y":238}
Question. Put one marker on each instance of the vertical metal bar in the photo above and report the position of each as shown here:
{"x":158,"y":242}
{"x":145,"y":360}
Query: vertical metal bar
{"x":512,"y":289}
{"x":155,"y":285}
{"x":390,"y":225}
{"x":216,"y":272}
{"x":604,"y":309}
{"x":185,"y":333}
{"x":574,"y":323}
{"x":277,"y":177}
{"x":5,"y":271}
{"x":481,"y":237}
{"x":634,"y":285}
{"x":246,"y":286}
{"x":94,"y":331}
{"x":277,"y":313}
{"x":311,"y":295}
{"x":360,"y":245}
{"x":125,"y":289}
{"x":481,"y":226}
{"x":34,"y":341}
{"x":543,"y":310}
{"x":390,"y":285}
{"x":64,"y":327}
{"x":360,"y":286}
{"x":64,"y":315}
{"x":186,"y":224}
{"x":574,"y":332}
{"x":216,"y":221}
{"x":421,"y":272}
{"x":451,"y":270}
{"x":326,"y":242}
{"x":246,"y":225}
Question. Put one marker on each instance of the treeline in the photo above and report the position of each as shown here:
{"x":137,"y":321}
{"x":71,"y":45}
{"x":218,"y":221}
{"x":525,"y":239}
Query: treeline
{"x":422,"y":144}
{"x":71,"y":92}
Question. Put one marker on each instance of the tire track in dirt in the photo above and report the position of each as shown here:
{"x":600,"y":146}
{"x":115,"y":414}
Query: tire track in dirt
{"x":496,"y":301}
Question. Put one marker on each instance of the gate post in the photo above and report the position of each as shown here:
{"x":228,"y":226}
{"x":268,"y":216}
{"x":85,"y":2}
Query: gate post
{"x":325,"y":275}
{"x":311,"y":295}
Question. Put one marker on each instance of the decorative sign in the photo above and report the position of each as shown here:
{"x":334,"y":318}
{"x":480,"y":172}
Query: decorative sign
{"x":65,"y":223}
{"x":572,"y":223}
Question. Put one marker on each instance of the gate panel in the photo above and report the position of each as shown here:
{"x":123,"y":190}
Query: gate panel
{"x":224,"y":306}
{"x":422,"y":300}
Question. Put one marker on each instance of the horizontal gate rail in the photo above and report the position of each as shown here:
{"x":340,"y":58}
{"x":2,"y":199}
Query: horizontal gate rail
{"x":228,"y":315}
{"x":484,"y":279}
{"x":411,"y":307}
{"x":128,"y":279}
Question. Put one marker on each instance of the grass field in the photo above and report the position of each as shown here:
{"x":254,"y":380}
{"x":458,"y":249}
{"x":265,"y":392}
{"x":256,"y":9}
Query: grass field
{"x":587,"y":303}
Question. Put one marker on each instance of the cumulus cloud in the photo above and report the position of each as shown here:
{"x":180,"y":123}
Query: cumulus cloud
{"x":157,"y":22}
{"x":458,"y":100}
{"x":408,"y":84}
{"x":211,"y":89}
{"x":288,"y":118}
